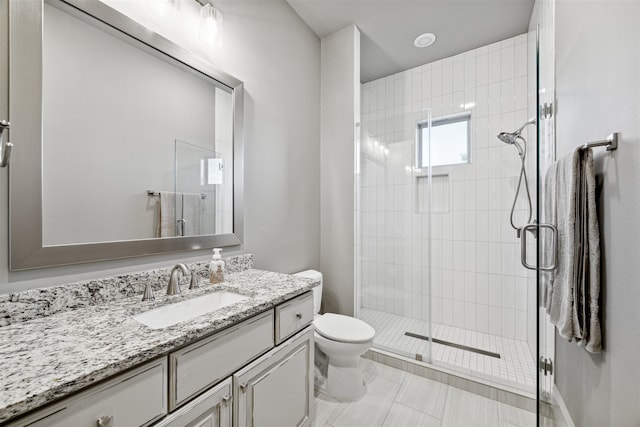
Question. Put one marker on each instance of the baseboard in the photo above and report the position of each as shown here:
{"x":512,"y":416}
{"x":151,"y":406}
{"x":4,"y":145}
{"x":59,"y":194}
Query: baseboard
{"x":559,"y":402}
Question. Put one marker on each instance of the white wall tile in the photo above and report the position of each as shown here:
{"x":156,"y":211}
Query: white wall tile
{"x":426,"y":84}
{"x":447,"y":79}
{"x":495,"y":289}
{"x":470,"y":73}
{"x":508,"y":63}
{"x":458,"y":314}
{"x":482,"y":318}
{"x":436,"y":81}
{"x":508,"y":323}
{"x":482,"y":101}
{"x":521,"y":325}
{"x":495,"y":66}
{"x":482,"y":288}
{"x":495,"y":99}
{"x":458,"y":285}
{"x":520,"y":293}
{"x":470,"y":315}
{"x":508,"y":291}
{"x":521,"y":59}
{"x":482,"y":70}
{"x":470,"y":287}
{"x":494,"y":322}
{"x":482,"y":257}
{"x":507,"y":93}
{"x":458,"y":76}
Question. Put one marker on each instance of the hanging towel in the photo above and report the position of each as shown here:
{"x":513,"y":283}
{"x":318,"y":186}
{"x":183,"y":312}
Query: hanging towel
{"x":167,"y":214}
{"x":190,"y":213}
{"x":571,"y":294}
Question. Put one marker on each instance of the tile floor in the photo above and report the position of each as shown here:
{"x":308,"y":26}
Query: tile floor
{"x":400,"y":399}
{"x":515,"y":367}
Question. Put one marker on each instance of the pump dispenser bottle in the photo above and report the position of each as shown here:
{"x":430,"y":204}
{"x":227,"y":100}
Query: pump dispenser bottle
{"x":216,"y":267}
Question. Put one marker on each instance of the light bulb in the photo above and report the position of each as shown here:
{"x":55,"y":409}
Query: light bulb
{"x":210,"y":25}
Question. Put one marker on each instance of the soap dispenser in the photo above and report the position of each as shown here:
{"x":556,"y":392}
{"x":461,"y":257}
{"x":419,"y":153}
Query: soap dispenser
{"x":216,"y":267}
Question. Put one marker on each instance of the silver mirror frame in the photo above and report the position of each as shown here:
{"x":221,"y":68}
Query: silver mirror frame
{"x":26,"y":250}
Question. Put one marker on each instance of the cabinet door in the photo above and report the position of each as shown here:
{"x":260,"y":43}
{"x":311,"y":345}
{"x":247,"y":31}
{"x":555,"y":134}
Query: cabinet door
{"x":277,"y":389}
{"x":212,"y":409}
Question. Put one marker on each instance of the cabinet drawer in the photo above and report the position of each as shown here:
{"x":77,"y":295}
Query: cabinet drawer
{"x":213,"y":408}
{"x":293,"y":315}
{"x":136,"y":398}
{"x":200,"y":365}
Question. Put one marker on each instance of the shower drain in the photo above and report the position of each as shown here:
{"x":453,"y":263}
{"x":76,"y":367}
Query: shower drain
{"x":452,"y":344}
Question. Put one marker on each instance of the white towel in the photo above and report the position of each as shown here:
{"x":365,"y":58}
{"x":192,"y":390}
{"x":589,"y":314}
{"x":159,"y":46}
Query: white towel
{"x":571,"y":294}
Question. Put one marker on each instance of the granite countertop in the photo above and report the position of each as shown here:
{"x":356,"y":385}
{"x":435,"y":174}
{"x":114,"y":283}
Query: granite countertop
{"x":47,"y":358}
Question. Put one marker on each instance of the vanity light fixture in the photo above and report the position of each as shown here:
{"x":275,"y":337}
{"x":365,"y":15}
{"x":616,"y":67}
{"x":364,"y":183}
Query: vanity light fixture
{"x":165,"y":7}
{"x":210,"y":24}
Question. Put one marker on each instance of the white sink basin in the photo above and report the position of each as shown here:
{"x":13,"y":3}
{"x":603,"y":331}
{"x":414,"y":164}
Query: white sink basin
{"x":171,"y":314}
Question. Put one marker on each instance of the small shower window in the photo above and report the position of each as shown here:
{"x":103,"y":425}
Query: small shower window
{"x":450,"y":141}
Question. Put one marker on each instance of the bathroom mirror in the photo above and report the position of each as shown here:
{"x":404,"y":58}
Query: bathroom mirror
{"x":129,"y":144}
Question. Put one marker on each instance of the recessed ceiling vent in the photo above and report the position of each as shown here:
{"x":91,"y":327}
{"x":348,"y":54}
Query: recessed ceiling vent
{"x":424,"y":40}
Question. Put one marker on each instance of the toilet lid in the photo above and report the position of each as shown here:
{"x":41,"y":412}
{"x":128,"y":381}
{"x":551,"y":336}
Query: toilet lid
{"x":341,"y":328}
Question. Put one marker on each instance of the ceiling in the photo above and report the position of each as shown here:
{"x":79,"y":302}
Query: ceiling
{"x":388,"y":27}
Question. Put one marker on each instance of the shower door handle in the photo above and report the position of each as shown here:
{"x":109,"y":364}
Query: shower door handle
{"x":535,"y":228}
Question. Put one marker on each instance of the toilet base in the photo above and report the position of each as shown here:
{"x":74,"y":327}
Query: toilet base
{"x":344,"y":379}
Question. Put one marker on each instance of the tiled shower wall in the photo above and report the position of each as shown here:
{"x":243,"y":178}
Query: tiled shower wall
{"x":478,"y":282}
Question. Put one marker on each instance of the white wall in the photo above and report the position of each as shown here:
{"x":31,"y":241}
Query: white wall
{"x":478,"y":282}
{"x":277,"y":56}
{"x":340,"y":112}
{"x":598,"y":92}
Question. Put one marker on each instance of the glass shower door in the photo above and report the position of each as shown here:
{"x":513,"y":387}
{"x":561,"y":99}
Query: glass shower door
{"x":393,"y":231}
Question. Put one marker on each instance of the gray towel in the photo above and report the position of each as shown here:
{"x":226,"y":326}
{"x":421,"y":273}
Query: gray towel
{"x":179,"y":214}
{"x":167,"y":214}
{"x":571,"y":294}
{"x":190,"y":213}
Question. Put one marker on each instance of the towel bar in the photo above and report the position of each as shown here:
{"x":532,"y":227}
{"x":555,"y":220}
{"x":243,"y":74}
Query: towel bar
{"x":152,"y":193}
{"x":611,"y":143}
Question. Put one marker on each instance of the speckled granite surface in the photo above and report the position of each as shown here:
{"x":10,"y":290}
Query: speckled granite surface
{"x":47,"y":358}
{"x":34,"y":303}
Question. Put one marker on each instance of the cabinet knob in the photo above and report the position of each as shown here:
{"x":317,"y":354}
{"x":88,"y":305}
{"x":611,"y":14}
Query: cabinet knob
{"x":226,"y":400}
{"x":243,"y":387}
{"x":298,"y":316}
{"x":105,"y":421}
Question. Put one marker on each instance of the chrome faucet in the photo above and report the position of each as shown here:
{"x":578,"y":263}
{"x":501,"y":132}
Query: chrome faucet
{"x":173,"y":288}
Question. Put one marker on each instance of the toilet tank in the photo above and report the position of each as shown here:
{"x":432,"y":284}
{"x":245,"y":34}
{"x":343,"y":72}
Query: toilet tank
{"x":317,"y":291}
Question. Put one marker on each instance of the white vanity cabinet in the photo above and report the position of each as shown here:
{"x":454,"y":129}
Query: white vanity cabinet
{"x":276,"y":390}
{"x":258,"y":372}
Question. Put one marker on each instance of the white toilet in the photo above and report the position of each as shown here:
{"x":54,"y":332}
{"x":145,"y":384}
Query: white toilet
{"x":343,"y":339}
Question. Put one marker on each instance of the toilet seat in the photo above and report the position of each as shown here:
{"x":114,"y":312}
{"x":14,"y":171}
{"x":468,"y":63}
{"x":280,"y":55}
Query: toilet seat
{"x":345,"y":329}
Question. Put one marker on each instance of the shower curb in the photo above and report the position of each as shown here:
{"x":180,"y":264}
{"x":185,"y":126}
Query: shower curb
{"x":515,"y":399}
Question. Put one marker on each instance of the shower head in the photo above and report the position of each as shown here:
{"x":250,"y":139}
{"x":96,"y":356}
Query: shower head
{"x":508,"y":137}
{"x":513,"y":137}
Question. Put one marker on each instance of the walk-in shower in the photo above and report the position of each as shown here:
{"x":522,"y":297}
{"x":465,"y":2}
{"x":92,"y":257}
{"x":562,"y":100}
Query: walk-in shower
{"x":438,"y":271}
